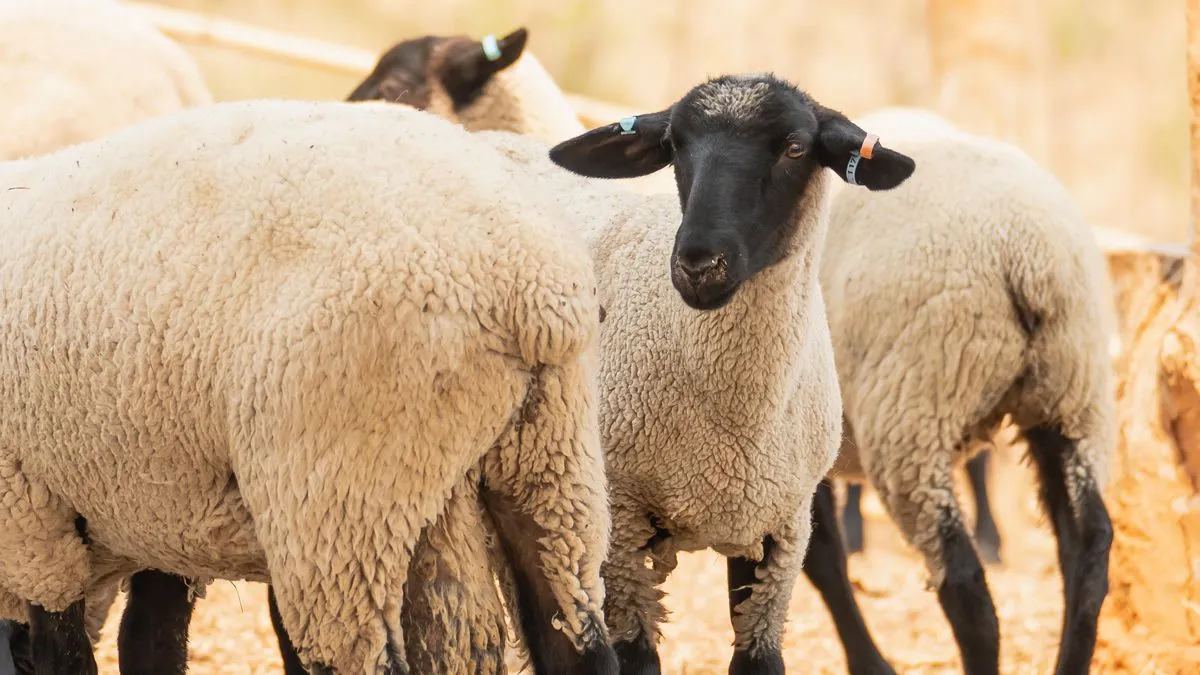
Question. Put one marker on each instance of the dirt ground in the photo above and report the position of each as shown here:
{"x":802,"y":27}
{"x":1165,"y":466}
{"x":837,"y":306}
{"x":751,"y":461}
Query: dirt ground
{"x":231,"y":632}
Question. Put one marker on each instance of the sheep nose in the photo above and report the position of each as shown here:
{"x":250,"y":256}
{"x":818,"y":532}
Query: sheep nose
{"x":699,"y":268}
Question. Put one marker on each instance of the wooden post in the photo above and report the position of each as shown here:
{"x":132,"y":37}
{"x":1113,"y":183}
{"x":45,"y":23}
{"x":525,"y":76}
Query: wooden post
{"x":1153,"y":611}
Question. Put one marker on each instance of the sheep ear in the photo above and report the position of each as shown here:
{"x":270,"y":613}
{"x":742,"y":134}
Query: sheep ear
{"x":469,"y":66}
{"x":857,"y":156}
{"x":635,"y":146}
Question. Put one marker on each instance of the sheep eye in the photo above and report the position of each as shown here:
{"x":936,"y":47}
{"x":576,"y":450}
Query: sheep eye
{"x":795,"y":151}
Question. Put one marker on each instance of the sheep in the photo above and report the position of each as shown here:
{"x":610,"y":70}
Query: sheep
{"x":159,"y":330}
{"x":974,"y":291}
{"x":75,"y":70}
{"x":488,"y":84}
{"x":482,"y":84}
{"x":745,"y":387}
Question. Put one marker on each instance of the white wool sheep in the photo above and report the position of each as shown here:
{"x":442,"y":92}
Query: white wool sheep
{"x":75,"y":70}
{"x":485,"y":85}
{"x":717,"y":424}
{"x":212,"y":349}
{"x":973,"y":291}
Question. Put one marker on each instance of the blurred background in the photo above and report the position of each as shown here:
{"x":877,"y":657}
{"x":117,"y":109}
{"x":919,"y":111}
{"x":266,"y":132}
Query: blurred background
{"x":1093,"y":89}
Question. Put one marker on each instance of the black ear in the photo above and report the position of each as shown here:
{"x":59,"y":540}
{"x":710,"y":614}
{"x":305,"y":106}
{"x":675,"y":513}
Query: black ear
{"x":856,"y":156}
{"x":635,"y":146}
{"x":469,"y":66}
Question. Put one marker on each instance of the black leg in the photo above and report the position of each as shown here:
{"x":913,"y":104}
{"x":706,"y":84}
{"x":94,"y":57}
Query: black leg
{"x":153,"y":635}
{"x":825,"y":567}
{"x":741,"y":575}
{"x":852,"y":522}
{"x":7,"y":664}
{"x":19,"y":648}
{"x":638,"y":656}
{"x":59,"y":641}
{"x":1084,"y":533}
{"x":987,"y":536}
{"x":966,"y":601}
{"x":550,"y":651}
{"x":291,"y":661}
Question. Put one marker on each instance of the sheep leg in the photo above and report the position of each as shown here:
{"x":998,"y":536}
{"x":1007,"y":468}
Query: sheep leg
{"x":759,"y":593}
{"x":633,"y":602}
{"x":852,"y":522}
{"x":7,"y":630}
{"x":825,"y":567}
{"x":987,"y":536}
{"x":924,"y":506}
{"x":287,"y":652}
{"x":59,"y":641}
{"x":152,"y":638}
{"x":448,"y":596}
{"x":545,"y":491}
{"x":44,"y":561}
{"x":1074,"y":505}
{"x":453,"y":619}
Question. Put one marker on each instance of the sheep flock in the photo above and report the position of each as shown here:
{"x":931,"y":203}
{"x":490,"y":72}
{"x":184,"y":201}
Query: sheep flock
{"x":436,"y":378}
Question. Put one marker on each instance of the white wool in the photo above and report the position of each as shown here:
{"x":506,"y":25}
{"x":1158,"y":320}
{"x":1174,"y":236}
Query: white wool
{"x":75,"y":70}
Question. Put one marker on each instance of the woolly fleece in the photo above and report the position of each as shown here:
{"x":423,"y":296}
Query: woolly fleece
{"x":211,"y":343}
{"x":925,"y":285}
{"x":75,"y":70}
{"x":721,"y":423}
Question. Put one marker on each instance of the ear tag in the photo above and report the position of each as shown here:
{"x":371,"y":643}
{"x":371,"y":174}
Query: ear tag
{"x":865,"y":151}
{"x":627,"y":125}
{"x":490,"y":47}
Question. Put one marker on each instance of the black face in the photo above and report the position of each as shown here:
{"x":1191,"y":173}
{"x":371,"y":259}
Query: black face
{"x":412,"y":70}
{"x":744,"y":150}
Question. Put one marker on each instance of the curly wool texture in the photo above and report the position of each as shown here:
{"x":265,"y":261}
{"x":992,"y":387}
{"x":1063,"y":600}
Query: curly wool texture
{"x":453,"y":620}
{"x":75,"y":70}
{"x":973,"y":290}
{"x":718,"y":423}
{"x":243,"y":340}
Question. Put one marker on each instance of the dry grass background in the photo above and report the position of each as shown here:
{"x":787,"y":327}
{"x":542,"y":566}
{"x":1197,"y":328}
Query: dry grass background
{"x":1116,"y":120}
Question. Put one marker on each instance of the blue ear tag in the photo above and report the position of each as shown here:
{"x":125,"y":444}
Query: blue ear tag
{"x":852,"y":167}
{"x":490,"y":48}
{"x":627,"y":124}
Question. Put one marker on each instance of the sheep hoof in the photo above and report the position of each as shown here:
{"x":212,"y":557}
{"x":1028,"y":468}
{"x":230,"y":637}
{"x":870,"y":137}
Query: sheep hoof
{"x":768,"y":662}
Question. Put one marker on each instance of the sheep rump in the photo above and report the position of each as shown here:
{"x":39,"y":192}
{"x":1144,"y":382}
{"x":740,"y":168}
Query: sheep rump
{"x":209,"y":317}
